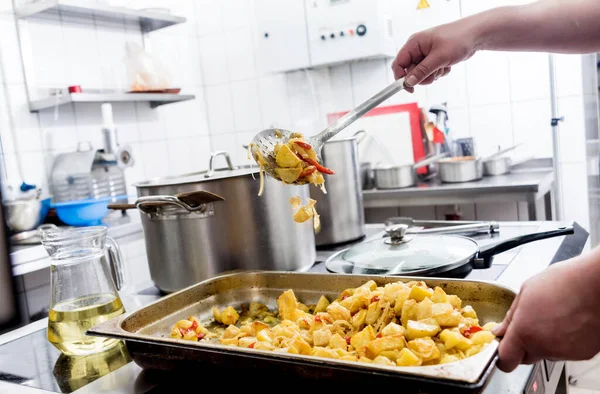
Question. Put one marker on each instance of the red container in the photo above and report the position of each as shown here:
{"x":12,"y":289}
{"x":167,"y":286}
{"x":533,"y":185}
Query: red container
{"x":75,"y":89}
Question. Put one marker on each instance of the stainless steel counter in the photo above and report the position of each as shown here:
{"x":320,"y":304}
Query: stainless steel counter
{"x":38,"y":364}
{"x":530,"y":185}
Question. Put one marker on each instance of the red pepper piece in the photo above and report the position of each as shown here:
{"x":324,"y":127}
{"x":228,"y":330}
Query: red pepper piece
{"x":194,"y":325}
{"x":379,"y":335}
{"x":200,"y":336}
{"x":252,"y":345}
{"x":471,"y":330}
{"x":374,"y":299}
{"x":320,"y":168}
{"x":307,"y":171}
{"x":318,"y":319}
{"x":303,"y":144}
{"x":348,"y":340}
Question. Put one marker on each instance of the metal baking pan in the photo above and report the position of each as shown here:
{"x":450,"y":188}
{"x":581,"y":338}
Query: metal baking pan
{"x":146,"y":332}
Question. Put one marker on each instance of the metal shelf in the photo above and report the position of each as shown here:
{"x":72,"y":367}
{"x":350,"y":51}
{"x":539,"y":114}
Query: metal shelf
{"x":148,"y":20}
{"x":155,"y":99}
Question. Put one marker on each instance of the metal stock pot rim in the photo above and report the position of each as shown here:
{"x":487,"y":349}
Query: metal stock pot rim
{"x":195,"y":177}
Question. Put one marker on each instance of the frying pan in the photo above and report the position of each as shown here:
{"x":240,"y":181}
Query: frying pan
{"x":447,"y":256}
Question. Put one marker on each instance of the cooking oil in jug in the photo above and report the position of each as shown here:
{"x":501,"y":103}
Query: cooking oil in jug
{"x":69,"y":320}
{"x":84,"y":287}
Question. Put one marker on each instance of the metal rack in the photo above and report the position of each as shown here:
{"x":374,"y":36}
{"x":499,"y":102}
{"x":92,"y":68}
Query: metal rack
{"x":155,"y":99}
{"x":148,"y":20}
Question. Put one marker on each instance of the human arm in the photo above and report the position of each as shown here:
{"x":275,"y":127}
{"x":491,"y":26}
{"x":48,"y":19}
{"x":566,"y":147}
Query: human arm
{"x":556,"y":315}
{"x":560,"y":26}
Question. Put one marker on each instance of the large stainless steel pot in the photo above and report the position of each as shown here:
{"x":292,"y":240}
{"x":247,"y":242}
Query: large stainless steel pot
{"x":243,"y":232}
{"x":341,"y":209}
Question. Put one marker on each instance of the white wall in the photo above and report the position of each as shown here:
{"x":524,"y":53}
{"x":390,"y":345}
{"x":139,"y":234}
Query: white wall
{"x":498,"y":98}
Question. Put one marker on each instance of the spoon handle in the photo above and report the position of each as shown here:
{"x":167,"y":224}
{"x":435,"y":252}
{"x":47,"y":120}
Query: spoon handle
{"x":362,"y":109}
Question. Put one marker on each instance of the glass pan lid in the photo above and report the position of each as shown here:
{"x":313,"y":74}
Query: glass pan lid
{"x":394,"y":256}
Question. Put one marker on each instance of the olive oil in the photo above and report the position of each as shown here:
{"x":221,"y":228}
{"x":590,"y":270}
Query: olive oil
{"x":69,"y":320}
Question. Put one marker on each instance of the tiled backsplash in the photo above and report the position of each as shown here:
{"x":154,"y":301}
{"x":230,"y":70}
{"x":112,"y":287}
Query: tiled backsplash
{"x":499,"y":98}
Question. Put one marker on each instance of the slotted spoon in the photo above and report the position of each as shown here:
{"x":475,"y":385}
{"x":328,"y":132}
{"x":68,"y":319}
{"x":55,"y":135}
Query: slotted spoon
{"x":265,"y":141}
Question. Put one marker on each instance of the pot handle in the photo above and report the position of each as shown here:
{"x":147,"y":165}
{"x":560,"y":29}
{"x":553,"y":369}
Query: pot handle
{"x":432,"y":159}
{"x":116,"y":263}
{"x":360,"y":135}
{"x":486,"y":253}
{"x":144,"y":202}
{"x":211,"y":167}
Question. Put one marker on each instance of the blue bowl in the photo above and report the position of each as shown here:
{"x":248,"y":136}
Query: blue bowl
{"x":83,"y":212}
{"x":46,"y":204}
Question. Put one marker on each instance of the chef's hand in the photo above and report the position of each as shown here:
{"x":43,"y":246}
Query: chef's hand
{"x":429,"y":54}
{"x":556,"y":315}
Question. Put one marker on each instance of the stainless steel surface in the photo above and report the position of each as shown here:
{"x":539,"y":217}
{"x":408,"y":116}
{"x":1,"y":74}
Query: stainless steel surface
{"x":443,"y":226}
{"x":458,"y":171}
{"x":366,"y":170}
{"x":557,"y":195}
{"x":497,"y":166}
{"x":146,"y":329}
{"x":366,"y":176}
{"x":487,"y":227}
{"x":265,"y":141}
{"x":23,"y":215}
{"x":155,"y":99}
{"x":148,"y":21}
{"x":340,"y":222}
{"x":242,"y":232}
{"x":31,"y":237}
{"x":529,"y":186}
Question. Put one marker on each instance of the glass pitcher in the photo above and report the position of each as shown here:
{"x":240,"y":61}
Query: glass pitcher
{"x":84,"y":287}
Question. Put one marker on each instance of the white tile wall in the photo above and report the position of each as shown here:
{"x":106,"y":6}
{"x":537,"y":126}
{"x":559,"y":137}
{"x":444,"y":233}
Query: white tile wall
{"x":491,"y":126}
{"x":529,"y":76}
{"x":213,"y":58}
{"x":572,"y":129}
{"x":489,"y":79}
{"x":498,"y":98}
{"x":209,"y":17}
{"x":531,"y":127}
{"x":246,"y":105}
{"x":219,"y":105}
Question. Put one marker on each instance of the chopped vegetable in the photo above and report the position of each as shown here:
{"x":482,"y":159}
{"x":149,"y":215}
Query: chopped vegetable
{"x":362,"y":324}
{"x":296,"y":162}
{"x":304,"y":213}
{"x":320,"y":168}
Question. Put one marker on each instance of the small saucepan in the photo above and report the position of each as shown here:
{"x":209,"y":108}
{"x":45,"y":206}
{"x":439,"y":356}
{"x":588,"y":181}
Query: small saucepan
{"x":447,"y":256}
{"x":397,"y":177}
{"x":460,"y":169}
{"x":496,"y":164}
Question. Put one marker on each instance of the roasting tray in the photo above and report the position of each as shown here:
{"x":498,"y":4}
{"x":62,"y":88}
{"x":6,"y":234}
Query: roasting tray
{"x":146,"y":332}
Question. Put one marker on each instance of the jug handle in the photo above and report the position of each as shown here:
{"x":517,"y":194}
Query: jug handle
{"x":116,"y":262}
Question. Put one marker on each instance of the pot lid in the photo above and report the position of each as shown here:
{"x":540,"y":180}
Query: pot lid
{"x":203,"y":176}
{"x":399,"y":254}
